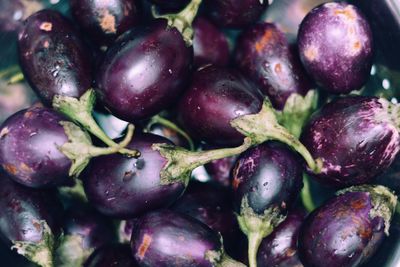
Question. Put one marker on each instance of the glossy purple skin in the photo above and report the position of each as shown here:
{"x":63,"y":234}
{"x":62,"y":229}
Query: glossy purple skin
{"x":356,"y":139}
{"x":145,"y":71}
{"x":95,"y":229}
{"x":14,"y":12}
{"x":269,"y":176}
{"x":279,"y":249}
{"x":336,"y":47}
{"x":235,"y":13}
{"x":384,"y":14}
{"x":53,"y":58}
{"x":265,"y":56}
{"x":210,"y":45}
{"x":112,"y":255}
{"x":216,"y":97}
{"x":220,"y":170}
{"x":212,"y":206}
{"x":23,"y":209}
{"x":341,"y":232}
{"x":29,"y":153}
{"x":166,"y":238}
{"x":104,"y":21}
{"x":124,"y":187}
{"x":170,"y":5}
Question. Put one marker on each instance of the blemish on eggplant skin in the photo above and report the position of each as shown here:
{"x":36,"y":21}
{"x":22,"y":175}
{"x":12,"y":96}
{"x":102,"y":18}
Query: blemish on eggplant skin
{"x":107,"y":22}
{"x":144,"y":246}
{"x":46,"y":26}
{"x":10,"y":168}
{"x":4,"y":132}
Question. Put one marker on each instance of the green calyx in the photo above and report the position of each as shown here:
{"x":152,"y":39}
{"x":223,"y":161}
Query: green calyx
{"x":264,"y":126}
{"x":40,"y":252}
{"x":383,"y":201}
{"x":71,"y":252}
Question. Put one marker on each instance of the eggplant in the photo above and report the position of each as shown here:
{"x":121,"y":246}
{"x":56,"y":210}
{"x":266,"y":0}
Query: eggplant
{"x":349,"y":228}
{"x":336,"y":47}
{"x":52,"y":56}
{"x":30,"y":221}
{"x":356,"y":137}
{"x":166,"y":238}
{"x":267,"y":180}
{"x":104,"y":21}
{"x":111,"y":255}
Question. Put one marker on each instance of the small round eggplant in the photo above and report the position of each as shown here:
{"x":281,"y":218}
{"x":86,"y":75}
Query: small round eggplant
{"x":212,"y":206}
{"x":267,"y":180}
{"x":14,"y":12}
{"x":84,"y":231}
{"x":348,"y":229}
{"x":145,"y":71}
{"x":356,"y":138}
{"x":216,"y":97}
{"x":210,"y":45}
{"x":279,"y":249}
{"x":104,"y":21}
{"x":29,"y":221}
{"x":112,"y":255}
{"x":53,"y":58}
{"x":264,"y":55}
{"x":166,"y":238}
{"x":220,"y":170}
{"x":336,"y":47}
{"x":29,"y":148}
{"x":235,"y":13}
{"x":124,"y":187}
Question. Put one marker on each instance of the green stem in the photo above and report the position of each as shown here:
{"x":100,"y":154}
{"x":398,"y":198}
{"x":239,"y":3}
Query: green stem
{"x":227,"y":261}
{"x":183,"y":20}
{"x":255,"y":239}
{"x":80,"y":111}
{"x":19,"y":77}
{"x":306,"y":196}
{"x":169,"y":124}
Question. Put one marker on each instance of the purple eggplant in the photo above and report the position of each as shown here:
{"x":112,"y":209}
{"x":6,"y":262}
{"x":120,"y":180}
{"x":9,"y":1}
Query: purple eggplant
{"x":170,"y":5}
{"x":235,"y":13}
{"x":220,"y":170}
{"x":215,"y":98}
{"x":210,"y":45}
{"x":267,"y":180}
{"x":112,"y":255}
{"x":167,"y":238}
{"x":348,"y":229}
{"x":29,"y":221}
{"x":336,"y":47}
{"x":356,"y":138}
{"x":53,"y":58}
{"x":124,"y":187}
{"x":14,"y":12}
{"x":279,"y":249}
{"x":84,"y":231}
{"x":264,"y":55}
{"x":147,"y":68}
{"x":29,"y":148}
{"x":105,"y":20}
{"x":212,"y":206}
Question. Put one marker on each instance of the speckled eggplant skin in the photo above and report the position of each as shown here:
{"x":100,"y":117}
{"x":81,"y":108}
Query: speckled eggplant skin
{"x":210,"y":45}
{"x":96,"y":230}
{"x":341,"y":232}
{"x":220,"y":170}
{"x":166,"y":238}
{"x":14,"y":12}
{"x":104,"y":21}
{"x":123,"y":187}
{"x":170,"y":5}
{"x":111,"y":255}
{"x":23,"y":209}
{"x":212,"y":206}
{"x":235,"y":13}
{"x":145,"y":71}
{"x":52,"y":56}
{"x":279,"y":249}
{"x":217,"y":96}
{"x":355,"y":137}
{"x":264,"y":55}
{"x":336,"y":47}
{"x":29,"y":142}
{"x":269,"y":176}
